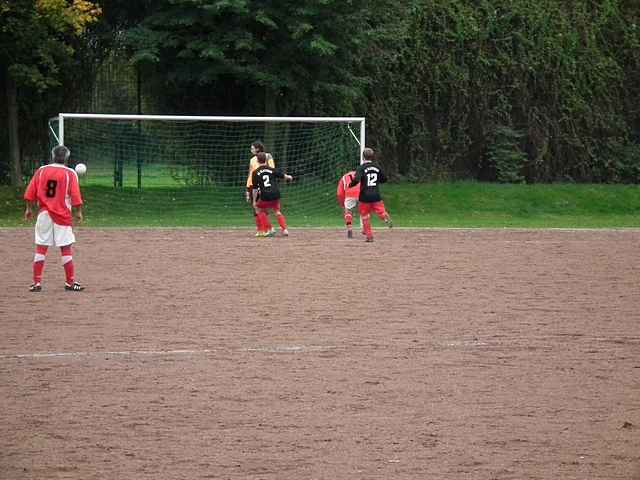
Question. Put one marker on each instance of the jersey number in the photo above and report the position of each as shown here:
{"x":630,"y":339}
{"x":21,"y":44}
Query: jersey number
{"x":266,"y":181}
{"x":372,"y":179}
{"x":51,"y":188}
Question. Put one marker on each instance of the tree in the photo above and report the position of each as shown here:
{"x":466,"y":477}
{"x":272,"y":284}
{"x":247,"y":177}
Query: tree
{"x":276,"y":57}
{"x":36,"y":37}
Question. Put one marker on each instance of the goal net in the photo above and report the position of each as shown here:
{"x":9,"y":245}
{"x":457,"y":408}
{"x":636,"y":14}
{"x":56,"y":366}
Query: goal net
{"x":197,"y":167}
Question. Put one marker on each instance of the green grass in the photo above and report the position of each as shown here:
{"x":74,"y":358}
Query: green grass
{"x":462,"y":204}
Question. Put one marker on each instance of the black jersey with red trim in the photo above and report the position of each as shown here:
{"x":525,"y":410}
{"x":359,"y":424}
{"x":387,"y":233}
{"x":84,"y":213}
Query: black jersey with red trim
{"x":369,"y":175}
{"x":265,"y":179}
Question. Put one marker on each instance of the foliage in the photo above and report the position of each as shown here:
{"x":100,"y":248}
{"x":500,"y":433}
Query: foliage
{"x":281,"y":56}
{"x":37,"y":38}
{"x":39,"y":41}
{"x":560,"y":72}
{"x":436,"y":79}
{"x":507,"y":156}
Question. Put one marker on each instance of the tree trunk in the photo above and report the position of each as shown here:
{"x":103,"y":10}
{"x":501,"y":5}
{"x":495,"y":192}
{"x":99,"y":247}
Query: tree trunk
{"x":15,"y":168}
{"x":270,"y":110}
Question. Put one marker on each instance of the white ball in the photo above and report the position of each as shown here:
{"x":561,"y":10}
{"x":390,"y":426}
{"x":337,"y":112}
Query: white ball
{"x":81,"y":169}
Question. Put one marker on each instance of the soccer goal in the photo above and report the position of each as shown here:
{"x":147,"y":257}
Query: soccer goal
{"x":205,"y":159}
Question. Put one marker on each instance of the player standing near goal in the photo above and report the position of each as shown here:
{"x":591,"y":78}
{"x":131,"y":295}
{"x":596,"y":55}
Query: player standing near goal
{"x":257,"y":147}
{"x":56,"y":190}
{"x":369,"y":175}
{"x":348,"y":199}
{"x":266,"y":194}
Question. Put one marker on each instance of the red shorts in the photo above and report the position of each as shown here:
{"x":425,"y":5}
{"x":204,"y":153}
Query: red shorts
{"x":376,"y":207}
{"x":265,"y":204}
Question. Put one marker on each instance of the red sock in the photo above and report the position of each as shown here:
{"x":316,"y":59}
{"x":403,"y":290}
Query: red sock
{"x":38,"y":262}
{"x":348,"y":218}
{"x":282,"y":221}
{"x":258,"y":218}
{"x":264,"y":222}
{"x":366,"y":225}
{"x":67,"y":262}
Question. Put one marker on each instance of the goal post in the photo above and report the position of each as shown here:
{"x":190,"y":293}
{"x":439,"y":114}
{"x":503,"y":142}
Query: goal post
{"x":206,"y":158}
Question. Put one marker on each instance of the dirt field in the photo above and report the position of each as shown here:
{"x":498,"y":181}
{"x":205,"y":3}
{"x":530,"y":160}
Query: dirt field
{"x":464,"y":354}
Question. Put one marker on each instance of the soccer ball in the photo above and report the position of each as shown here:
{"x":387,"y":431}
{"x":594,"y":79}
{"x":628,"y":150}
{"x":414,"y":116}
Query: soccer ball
{"x":81,"y":169}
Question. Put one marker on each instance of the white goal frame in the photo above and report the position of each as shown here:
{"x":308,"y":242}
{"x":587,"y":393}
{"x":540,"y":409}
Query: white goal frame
{"x":204,"y":118}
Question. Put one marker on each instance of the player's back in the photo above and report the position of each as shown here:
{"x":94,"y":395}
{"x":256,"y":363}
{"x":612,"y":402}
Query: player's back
{"x":55,"y":187}
{"x":254,"y":164}
{"x":265,"y":178}
{"x":370,"y":175}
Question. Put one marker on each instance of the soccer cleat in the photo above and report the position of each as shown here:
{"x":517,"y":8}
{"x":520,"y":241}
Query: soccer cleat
{"x":74,"y":287}
{"x":261,"y":234}
{"x":36,"y":287}
{"x":349,"y":233}
{"x":369,"y":239}
{"x":389,"y":223}
{"x":285,"y":232}
{"x":270,"y":233}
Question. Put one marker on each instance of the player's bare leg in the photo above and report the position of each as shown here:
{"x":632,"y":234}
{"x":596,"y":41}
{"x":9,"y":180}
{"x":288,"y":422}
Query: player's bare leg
{"x":38,"y":267}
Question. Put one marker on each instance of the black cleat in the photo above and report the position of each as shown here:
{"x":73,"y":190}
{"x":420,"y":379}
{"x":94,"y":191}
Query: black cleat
{"x":36,"y":287}
{"x":369,"y":240}
{"x":74,"y":287}
{"x":349,"y":233}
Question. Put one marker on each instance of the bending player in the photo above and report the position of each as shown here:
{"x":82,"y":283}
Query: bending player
{"x":257,"y":147}
{"x":56,"y":190}
{"x":369,"y":175}
{"x":266,"y":194}
{"x":348,"y":199}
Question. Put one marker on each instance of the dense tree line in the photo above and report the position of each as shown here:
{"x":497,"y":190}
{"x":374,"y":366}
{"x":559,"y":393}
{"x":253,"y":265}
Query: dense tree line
{"x":507,"y":90}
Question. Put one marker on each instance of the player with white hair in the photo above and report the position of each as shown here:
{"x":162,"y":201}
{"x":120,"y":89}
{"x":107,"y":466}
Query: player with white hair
{"x":56,"y":190}
{"x":369,"y":175}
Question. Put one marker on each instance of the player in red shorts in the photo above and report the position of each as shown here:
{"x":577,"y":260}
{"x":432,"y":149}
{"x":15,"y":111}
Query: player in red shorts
{"x":56,"y":190}
{"x":266,"y":193}
{"x":369,"y":175}
{"x":348,"y":199}
{"x":257,"y":147}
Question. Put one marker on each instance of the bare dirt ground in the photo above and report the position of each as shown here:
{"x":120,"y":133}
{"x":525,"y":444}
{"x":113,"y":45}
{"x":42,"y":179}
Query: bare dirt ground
{"x":463,"y":354}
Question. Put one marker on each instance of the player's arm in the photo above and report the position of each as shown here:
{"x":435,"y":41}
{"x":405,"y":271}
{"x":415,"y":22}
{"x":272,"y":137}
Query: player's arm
{"x":340,"y":193}
{"x":77,"y":210}
{"x":30,"y":196}
{"x":76,"y":198}
{"x":28,"y":211}
{"x":249,"y":189}
{"x":382,"y":178}
{"x":255,"y":187}
{"x":356,"y":179}
{"x":279,"y":173}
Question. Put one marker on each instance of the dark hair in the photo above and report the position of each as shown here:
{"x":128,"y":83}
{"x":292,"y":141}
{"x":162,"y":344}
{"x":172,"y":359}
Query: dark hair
{"x":368,"y":153}
{"x":60,"y":154}
{"x":258,"y":146}
{"x":262,"y":157}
